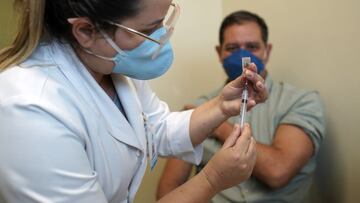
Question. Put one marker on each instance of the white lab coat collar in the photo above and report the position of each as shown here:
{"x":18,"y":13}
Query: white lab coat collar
{"x":94,"y":95}
{"x":132,"y":107}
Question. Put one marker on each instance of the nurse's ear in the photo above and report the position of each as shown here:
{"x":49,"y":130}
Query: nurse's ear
{"x":84,"y":31}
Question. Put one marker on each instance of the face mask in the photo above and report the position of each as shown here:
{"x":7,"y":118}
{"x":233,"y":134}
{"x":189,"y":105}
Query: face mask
{"x":139,"y":62}
{"x":233,"y":64}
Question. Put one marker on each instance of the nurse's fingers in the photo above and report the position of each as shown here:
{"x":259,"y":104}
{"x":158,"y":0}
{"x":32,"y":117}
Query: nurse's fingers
{"x":231,"y":140}
{"x":243,"y":142}
{"x":259,"y":93}
{"x":252,"y":67}
{"x":250,"y":75}
{"x":252,"y":147}
{"x":254,"y":78}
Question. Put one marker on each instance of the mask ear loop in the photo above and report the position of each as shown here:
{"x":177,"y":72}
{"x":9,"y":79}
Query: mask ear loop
{"x":112,"y":44}
{"x":99,"y":56}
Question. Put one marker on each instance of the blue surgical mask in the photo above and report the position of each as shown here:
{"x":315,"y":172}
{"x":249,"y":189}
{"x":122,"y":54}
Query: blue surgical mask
{"x":139,"y":62}
{"x":233,"y":64}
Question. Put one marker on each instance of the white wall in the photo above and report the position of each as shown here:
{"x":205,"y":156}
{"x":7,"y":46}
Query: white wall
{"x":317,"y":46}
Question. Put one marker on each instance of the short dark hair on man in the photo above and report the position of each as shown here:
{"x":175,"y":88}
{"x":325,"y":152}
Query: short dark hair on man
{"x":240,"y":17}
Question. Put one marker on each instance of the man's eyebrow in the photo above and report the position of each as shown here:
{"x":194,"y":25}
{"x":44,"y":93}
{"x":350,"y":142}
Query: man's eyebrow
{"x":232,"y":44}
{"x":252,"y":42}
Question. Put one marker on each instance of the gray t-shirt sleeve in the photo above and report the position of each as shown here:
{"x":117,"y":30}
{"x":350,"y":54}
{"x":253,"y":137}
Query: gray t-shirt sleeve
{"x":308,"y":114}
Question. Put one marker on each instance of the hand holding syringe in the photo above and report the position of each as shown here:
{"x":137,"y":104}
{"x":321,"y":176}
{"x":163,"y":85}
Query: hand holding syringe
{"x":245,"y":94}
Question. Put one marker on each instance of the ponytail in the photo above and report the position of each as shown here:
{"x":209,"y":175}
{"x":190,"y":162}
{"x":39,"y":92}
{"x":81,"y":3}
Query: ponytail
{"x":30,"y":31}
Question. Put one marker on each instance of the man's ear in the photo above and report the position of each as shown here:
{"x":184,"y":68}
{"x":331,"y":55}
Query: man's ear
{"x":218,"y":51}
{"x":84,"y":31}
{"x":268,"y":52}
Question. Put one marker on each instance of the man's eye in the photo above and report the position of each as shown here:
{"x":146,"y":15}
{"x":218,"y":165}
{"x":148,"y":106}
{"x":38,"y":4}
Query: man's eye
{"x":232,"y":48}
{"x":252,"y":47}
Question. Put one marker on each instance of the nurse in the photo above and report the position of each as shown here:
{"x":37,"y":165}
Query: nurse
{"x":78,"y":120}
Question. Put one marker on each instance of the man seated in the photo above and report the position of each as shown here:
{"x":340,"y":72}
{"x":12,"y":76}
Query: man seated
{"x":289,"y":127}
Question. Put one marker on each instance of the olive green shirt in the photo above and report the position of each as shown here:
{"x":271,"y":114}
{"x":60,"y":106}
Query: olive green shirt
{"x":285,"y":105}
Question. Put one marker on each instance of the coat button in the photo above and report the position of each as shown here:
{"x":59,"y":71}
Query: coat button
{"x":138,"y":153}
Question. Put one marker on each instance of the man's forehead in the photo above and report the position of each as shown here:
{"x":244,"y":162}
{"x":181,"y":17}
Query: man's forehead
{"x":249,"y":27}
{"x":243,"y":33}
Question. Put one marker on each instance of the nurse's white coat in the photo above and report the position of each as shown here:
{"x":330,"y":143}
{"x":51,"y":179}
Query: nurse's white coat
{"x":62,"y":139}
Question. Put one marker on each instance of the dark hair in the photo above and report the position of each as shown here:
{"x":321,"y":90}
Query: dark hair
{"x":98,"y":11}
{"x":50,"y":17}
{"x":240,"y":17}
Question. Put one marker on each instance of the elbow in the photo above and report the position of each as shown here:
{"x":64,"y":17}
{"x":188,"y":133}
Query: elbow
{"x":277,"y":179}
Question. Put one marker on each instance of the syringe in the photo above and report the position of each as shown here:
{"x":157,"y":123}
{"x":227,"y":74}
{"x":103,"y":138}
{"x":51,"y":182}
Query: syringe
{"x":245,"y":94}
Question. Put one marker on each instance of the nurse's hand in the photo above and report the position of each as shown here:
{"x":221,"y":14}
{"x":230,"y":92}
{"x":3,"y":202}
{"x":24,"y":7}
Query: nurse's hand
{"x":210,"y":115}
{"x":234,"y":162}
{"x":230,"y":97}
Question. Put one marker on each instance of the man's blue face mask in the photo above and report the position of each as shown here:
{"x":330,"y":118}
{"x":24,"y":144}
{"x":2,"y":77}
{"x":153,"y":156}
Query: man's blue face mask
{"x":233,"y":66}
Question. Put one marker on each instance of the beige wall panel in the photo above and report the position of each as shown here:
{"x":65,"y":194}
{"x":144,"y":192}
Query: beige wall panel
{"x":7,"y":22}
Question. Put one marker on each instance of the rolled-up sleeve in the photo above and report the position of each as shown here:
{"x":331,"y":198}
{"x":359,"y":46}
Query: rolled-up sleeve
{"x":308,"y":114}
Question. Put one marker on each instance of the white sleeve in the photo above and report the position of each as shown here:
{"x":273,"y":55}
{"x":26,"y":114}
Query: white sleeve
{"x":42,"y":158}
{"x":171,"y":128}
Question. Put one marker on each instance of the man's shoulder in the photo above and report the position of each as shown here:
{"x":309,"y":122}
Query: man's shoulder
{"x":290,"y":94}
